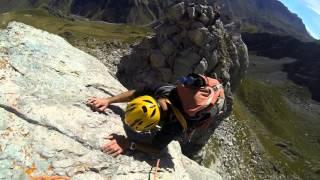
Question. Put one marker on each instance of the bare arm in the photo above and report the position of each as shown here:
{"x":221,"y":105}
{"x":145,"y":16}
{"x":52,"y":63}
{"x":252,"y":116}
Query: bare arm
{"x":101,"y":104}
{"x":123,"y":97}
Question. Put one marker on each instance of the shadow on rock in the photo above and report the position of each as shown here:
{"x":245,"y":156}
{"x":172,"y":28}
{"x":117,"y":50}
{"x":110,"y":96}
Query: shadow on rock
{"x":164,"y":156}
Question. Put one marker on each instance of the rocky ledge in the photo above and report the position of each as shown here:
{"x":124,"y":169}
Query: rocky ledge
{"x":45,"y":126}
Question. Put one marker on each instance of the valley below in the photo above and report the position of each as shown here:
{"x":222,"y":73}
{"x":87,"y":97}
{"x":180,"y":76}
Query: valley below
{"x":283,"y":117}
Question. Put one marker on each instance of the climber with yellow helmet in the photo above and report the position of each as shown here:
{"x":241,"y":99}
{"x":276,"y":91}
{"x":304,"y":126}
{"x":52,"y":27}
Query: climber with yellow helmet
{"x":177,"y":109}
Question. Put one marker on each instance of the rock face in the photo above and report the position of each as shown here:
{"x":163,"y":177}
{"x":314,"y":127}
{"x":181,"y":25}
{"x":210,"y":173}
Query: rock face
{"x":45,"y":127}
{"x":190,"y":38}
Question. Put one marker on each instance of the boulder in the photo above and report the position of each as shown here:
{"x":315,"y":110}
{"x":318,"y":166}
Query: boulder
{"x":165,"y":32}
{"x":202,"y":2}
{"x":197,"y":25}
{"x":199,"y":36}
{"x":204,"y":19}
{"x":168,"y":30}
{"x":184,"y":64}
{"x":166,"y":74}
{"x":213,"y":60}
{"x":149,"y":42}
{"x":191,"y":12}
{"x":45,"y":126}
{"x":157,"y":59}
{"x":175,"y":12}
{"x":199,"y":8}
{"x":202,"y":67}
{"x":210,"y":12}
{"x":167,"y":48}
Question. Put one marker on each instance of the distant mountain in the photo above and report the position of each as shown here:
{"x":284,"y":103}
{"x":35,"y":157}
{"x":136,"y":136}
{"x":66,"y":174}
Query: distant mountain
{"x":117,"y":11}
{"x":58,"y":5}
{"x":269,"y":16}
{"x":256,"y":15}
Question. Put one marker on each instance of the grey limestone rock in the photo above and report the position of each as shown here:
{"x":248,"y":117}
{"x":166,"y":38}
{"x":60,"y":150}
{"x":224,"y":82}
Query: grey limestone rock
{"x":191,"y":12}
{"x":166,"y":74}
{"x":148,"y":43}
{"x":176,"y":11}
{"x":210,"y":12}
{"x":167,"y":48}
{"x":45,"y":124}
{"x":197,"y":25}
{"x":202,"y":2}
{"x":157,"y":59}
{"x":184,"y":64}
{"x":202,"y":67}
{"x":198,"y":36}
{"x":204,"y":19}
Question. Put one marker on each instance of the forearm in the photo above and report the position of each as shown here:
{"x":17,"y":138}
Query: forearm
{"x":123,"y":97}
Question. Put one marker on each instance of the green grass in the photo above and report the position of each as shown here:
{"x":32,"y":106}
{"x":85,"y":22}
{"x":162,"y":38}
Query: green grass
{"x":266,"y":102}
{"x":249,"y":28}
{"x":274,"y":121}
{"x":78,"y":29}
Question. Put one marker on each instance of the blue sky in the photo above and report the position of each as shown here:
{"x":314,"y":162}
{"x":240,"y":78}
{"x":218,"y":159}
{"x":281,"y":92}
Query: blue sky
{"x":309,"y":12}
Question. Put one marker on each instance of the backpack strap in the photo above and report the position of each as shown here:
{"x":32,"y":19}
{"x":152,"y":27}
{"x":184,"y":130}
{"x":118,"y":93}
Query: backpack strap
{"x":179,"y":116}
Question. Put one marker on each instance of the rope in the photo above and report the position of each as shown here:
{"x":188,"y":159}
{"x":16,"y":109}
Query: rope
{"x":156,"y":170}
{"x":179,"y":116}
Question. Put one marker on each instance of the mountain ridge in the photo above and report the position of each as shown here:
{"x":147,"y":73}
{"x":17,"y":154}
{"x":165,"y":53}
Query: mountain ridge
{"x":256,"y":15}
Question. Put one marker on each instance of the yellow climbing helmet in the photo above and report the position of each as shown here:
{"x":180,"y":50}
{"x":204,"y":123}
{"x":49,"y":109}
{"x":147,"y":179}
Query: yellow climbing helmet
{"x":142,"y":113}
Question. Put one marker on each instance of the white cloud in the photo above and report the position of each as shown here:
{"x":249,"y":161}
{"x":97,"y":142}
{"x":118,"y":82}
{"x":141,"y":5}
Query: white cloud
{"x":314,"y":5}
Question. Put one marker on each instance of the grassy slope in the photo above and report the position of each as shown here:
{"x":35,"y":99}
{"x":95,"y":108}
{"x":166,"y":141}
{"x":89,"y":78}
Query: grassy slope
{"x":79,"y":29}
{"x":282,"y":131}
{"x":12,"y":5}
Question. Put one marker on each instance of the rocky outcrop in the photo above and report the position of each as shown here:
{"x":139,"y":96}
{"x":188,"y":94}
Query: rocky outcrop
{"x":45,"y":126}
{"x":190,"y":38}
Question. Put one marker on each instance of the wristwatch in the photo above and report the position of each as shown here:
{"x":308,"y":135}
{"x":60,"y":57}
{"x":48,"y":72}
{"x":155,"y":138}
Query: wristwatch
{"x":132,"y":146}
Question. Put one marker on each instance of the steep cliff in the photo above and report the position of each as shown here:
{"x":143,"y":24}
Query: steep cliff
{"x":45,"y":126}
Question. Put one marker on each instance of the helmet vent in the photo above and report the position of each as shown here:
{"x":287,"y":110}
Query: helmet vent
{"x":135,"y":122}
{"x":132,"y":104}
{"x":144,"y":109}
{"x":153,"y":113}
{"x":140,"y":123}
{"x":149,"y":125}
{"x":147,"y":101}
{"x":131,"y":109}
